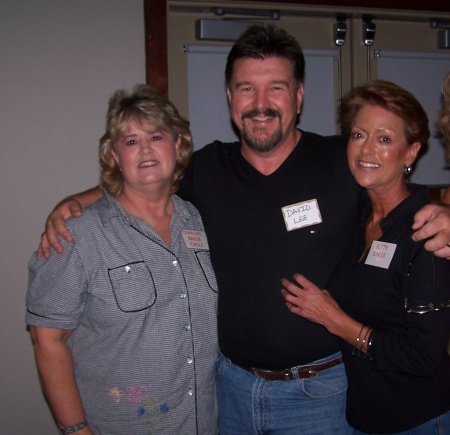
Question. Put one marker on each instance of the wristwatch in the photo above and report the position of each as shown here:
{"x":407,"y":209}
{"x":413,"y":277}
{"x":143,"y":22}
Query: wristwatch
{"x":71,"y":429}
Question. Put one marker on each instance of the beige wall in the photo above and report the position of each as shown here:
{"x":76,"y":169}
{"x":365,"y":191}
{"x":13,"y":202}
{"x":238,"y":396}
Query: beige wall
{"x":59,"y":63}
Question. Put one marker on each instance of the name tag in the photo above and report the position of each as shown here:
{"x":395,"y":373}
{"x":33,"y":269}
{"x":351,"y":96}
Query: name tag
{"x":380,"y":254}
{"x":302,"y":214}
{"x":195,"y":239}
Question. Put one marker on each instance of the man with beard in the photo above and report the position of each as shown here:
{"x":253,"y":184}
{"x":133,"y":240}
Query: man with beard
{"x":280,"y":201}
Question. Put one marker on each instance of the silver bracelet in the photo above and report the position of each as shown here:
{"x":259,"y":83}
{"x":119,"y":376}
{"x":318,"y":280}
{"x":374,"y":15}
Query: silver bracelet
{"x":71,"y":429}
{"x":356,"y":346}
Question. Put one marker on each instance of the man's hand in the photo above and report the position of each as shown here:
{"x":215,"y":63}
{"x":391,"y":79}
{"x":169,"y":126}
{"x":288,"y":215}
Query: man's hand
{"x":433,"y":222}
{"x":55,"y":225}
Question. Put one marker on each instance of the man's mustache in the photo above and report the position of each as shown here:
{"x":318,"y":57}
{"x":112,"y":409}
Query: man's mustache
{"x":264,"y":112}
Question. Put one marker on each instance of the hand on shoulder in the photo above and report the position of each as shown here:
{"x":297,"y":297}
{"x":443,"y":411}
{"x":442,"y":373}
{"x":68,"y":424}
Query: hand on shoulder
{"x":56,"y":222}
{"x":432,"y":222}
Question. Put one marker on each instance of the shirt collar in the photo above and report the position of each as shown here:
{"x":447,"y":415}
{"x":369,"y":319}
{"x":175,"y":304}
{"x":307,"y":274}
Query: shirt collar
{"x":403,"y":214}
{"x":112,"y":209}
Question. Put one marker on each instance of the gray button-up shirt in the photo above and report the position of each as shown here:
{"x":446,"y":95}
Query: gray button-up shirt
{"x":143,"y":316}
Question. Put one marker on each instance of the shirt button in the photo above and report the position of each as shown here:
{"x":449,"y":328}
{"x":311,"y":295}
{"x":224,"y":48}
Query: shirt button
{"x":187,"y":327}
{"x":183,"y":295}
{"x":189,"y":360}
{"x":190,"y":392}
{"x":175,"y":263}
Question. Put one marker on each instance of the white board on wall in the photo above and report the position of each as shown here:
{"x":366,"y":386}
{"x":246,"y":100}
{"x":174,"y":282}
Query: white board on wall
{"x":208,"y":107}
{"x":422,"y":74}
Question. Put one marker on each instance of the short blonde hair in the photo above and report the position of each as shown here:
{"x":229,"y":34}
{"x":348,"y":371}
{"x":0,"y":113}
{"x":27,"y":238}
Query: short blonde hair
{"x":145,"y":106}
{"x":444,"y":116}
{"x":391,"y":97}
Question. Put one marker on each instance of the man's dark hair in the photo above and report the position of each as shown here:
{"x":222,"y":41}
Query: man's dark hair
{"x":260,"y":42}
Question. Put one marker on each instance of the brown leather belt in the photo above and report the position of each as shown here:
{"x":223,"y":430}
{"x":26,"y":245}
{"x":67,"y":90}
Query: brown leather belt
{"x":288,"y":374}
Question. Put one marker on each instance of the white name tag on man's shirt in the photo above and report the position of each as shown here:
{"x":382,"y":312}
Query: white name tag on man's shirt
{"x":380,"y":254}
{"x":302,"y":214}
{"x":195,"y":239}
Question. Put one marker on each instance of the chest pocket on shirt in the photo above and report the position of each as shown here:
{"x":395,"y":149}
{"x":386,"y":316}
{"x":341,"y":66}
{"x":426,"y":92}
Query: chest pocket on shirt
{"x":133,"y":287}
{"x":204,"y":260}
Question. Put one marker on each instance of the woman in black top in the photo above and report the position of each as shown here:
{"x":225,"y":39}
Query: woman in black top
{"x":387,"y":299}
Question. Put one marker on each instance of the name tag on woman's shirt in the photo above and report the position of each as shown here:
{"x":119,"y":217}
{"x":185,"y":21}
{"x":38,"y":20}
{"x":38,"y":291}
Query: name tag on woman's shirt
{"x":380,"y":254}
{"x":195,"y":239}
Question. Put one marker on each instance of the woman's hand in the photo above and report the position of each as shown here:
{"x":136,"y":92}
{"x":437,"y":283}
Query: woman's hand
{"x":306,"y":300}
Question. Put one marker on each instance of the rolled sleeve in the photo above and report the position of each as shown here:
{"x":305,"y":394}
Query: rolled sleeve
{"x":56,"y":290}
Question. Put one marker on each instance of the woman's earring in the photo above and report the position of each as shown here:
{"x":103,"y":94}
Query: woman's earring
{"x":407,"y":170}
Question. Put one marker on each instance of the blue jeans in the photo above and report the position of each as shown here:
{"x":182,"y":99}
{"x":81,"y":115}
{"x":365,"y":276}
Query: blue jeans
{"x":250,"y":405}
{"x":436,"y":426}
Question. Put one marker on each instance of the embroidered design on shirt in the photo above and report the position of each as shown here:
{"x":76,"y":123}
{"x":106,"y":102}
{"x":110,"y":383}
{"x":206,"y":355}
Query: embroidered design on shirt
{"x":149,"y":410}
{"x":136,"y":394}
{"x":116,"y":394}
{"x":152,"y":412}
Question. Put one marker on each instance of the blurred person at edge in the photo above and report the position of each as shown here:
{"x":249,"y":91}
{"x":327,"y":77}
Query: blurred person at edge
{"x":444,"y":124}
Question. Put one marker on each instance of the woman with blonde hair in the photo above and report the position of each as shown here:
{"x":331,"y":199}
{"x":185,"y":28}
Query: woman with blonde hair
{"x":123,"y":322}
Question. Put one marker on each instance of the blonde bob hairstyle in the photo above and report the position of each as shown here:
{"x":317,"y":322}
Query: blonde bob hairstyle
{"x":390,"y":97}
{"x":146,"y":107}
{"x":444,"y":117}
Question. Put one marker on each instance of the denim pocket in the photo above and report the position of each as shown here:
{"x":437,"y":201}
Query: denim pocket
{"x":133,"y":287}
{"x":220,"y":365}
{"x":330,"y":382}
